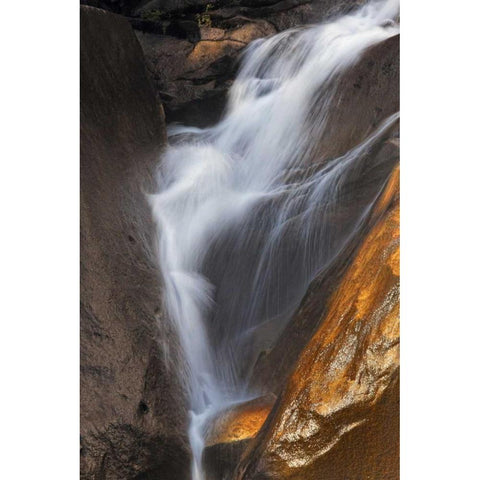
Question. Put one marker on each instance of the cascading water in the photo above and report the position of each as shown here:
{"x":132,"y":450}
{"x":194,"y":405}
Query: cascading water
{"x":242,"y":211}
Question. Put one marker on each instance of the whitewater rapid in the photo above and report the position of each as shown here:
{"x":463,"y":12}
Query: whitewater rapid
{"x":238,"y":215}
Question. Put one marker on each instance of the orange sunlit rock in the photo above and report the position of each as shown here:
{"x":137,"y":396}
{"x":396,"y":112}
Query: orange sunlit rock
{"x":338,"y":417}
{"x":240,"y":422}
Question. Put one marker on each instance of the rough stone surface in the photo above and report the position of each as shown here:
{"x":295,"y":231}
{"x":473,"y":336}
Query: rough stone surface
{"x":229,"y":434}
{"x":365,"y":95}
{"x":338,"y":416}
{"x":192,"y":79}
{"x":133,"y":410}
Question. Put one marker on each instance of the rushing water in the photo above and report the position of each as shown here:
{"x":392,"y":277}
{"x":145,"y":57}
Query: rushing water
{"x":239,"y":212}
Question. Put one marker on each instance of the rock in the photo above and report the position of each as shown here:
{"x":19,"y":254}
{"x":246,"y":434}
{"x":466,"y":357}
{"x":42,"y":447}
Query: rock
{"x":229,"y":434}
{"x":240,"y":422}
{"x":193,"y":80}
{"x":124,"y":7}
{"x":338,"y":416}
{"x":133,"y":408}
{"x":367,"y":94}
{"x":249,"y":8}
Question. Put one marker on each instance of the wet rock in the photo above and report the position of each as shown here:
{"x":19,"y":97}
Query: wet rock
{"x":366,"y":94}
{"x":230,"y":432}
{"x":338,"y":416}
{"x":133,"y":409}
{"x":358,"y":113}
{"x":240,"y":422}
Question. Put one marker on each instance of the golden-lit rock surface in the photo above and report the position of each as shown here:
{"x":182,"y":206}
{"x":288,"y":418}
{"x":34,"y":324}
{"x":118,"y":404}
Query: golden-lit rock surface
{"x":241,"y":421}
{"x":230,"y":432}
{"x":338,"y":415}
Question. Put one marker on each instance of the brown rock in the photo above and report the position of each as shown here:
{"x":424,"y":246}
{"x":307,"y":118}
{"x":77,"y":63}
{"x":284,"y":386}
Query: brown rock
{"x":366,"y":94}
{"x":338,"y":416}
{"x":133,"y":410}
{"x":193,"y":80}
{"x":240,"y":422}
{"x":229,"y":434}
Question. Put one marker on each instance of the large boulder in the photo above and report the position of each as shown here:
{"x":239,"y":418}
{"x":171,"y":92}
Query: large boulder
{"x":133,"y":409}
{"x":338,"y":416}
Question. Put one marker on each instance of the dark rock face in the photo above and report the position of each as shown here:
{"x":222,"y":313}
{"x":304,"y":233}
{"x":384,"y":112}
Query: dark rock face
{"x":365,"y":96}
{"x":133,"y":409}
{"x":222,"y":8}
{"x":192,"y":79}
{"x":192,"y":47}
{"x":193,"y":68}
{"x":338,"y":416}
{"x":124,"y":7}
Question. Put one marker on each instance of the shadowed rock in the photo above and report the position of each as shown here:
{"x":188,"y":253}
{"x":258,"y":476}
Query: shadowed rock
{"x":338,"y":416}
{"x":193,"y":79}
{"x":133,"y":410}
{"x":365,"y":95}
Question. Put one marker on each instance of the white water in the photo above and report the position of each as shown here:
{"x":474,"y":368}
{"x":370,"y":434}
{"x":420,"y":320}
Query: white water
{"x":239,"y":217}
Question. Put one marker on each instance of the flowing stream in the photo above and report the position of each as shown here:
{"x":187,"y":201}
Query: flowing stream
{"x":242,"y":209}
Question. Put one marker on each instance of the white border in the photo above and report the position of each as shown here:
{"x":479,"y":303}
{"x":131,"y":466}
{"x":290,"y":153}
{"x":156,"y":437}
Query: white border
{"x":440,"y":85}
{"x":39,"y":199}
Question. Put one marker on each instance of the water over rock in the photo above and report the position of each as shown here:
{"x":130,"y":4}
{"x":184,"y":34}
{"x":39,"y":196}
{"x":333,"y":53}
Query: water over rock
{"x":338,"y":416}
{"x":133,"y":409}
{"x":193,"y":71}
{"x":357,"y":112}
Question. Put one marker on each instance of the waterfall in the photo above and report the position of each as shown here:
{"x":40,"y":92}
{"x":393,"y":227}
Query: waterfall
{"x":244,"y":211}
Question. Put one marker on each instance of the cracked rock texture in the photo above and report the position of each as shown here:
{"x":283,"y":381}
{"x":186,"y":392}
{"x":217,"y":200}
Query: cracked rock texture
{"x":133,"y":410}
{"x":338,"y":416}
